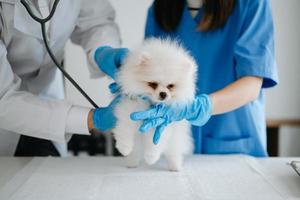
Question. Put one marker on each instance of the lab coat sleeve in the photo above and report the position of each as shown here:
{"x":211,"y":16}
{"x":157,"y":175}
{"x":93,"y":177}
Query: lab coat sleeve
{"x":254,"y":49}
{"x":96,"y":27}
{"x":77,"y":120}
{"x":25,"y":113}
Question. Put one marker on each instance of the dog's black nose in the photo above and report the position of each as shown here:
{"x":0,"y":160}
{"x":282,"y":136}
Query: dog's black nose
{"x":162,"y":95}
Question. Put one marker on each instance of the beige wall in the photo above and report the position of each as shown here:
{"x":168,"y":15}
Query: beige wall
{"x":284,"y":100}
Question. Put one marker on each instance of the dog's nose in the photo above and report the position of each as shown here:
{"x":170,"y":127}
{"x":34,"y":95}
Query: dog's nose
{"x":162,"y":95}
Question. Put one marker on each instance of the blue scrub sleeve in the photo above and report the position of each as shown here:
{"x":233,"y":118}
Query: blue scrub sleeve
{"x":151,"y":26}
{"x":254,"y":51}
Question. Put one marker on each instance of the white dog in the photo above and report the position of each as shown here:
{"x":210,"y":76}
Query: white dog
{"x":162,"y":71}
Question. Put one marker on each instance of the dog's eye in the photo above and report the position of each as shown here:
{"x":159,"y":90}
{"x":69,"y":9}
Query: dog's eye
{"x":170,"y":86}
{"x":153,"y":85}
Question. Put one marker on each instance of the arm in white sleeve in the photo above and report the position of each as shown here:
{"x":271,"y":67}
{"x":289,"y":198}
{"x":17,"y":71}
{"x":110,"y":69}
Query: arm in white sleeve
{"x":25,"y":113}
{"x":77,"y":120}
{"x":96,"y":27}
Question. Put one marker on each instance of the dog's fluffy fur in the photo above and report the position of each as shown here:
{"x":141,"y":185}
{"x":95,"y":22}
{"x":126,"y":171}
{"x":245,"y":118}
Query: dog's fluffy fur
{"x":156,"y":67}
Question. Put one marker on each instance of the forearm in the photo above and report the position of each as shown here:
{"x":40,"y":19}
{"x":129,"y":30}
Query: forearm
{"x":96,"y":27}
{"x":90,"y":122}
{"x":27,"y":114}
{"x":236,"y":94}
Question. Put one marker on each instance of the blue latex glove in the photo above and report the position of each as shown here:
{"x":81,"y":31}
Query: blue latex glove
{"x":104,"y":118}
{"x":110,"y":59}
{"x":160,"y":115}
{"x":114,"y":88}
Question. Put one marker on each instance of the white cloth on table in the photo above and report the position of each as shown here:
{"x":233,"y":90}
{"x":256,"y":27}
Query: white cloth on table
{"x":204,"y":177}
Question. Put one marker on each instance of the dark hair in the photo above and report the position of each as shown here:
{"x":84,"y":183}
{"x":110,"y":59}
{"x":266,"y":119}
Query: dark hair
{"x":215,"y":14}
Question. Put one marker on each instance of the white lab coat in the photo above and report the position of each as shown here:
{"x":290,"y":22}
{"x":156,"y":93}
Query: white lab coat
{"x":31,"y":89}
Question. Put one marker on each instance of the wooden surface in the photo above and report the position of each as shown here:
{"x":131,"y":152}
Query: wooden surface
{"x":273,"y":123}
{"x":273,"y":130}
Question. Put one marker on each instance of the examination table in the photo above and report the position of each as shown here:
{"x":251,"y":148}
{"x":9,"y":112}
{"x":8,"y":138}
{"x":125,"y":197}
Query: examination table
{"x":235,"y":177}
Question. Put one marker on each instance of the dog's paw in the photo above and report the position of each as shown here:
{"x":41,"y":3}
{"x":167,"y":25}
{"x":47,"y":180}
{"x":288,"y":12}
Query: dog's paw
{"x":151,"y":158}
{"x":124,"y":149}
{"x":175,"y":163}
{"x":175,"y":167}
{"x":132,"y":162}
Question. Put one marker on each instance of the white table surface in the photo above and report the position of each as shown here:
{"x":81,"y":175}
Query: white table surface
{"x":26,"y":178}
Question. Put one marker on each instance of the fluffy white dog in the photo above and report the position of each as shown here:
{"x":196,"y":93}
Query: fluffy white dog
{"x":159,"y":71}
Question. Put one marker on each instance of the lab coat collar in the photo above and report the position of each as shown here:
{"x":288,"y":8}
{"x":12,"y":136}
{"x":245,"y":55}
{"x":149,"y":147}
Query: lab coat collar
{"x":24,"y":23}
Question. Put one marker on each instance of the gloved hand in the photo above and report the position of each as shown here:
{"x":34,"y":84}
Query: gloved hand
{"x":110,"y":59}
{"x":104,"y":118}
{"x":160,"y":115}
{"x":114,"y":88}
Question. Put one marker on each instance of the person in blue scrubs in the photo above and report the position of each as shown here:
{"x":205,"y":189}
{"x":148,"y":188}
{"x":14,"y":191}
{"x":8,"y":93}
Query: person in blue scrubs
{"x":233,"y":44}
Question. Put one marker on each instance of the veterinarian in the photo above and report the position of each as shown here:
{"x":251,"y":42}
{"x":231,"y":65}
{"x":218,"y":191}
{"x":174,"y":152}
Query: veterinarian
{"x":233,"y":44}
{"x":31,"y":88}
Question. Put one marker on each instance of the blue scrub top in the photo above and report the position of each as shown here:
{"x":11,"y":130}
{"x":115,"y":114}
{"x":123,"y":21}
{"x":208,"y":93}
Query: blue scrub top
{"x":243,"y":47}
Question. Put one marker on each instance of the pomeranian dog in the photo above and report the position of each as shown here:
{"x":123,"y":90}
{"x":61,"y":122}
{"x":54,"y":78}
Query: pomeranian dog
{"x":159,"y":71}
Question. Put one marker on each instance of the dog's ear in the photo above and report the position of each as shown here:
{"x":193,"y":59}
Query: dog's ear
{"x":144,"y":59}
{"x":189,"y":65}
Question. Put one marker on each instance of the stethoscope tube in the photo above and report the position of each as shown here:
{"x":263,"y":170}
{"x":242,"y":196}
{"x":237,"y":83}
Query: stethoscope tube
{"x":45,"y":39}
{"x":40,"y":20}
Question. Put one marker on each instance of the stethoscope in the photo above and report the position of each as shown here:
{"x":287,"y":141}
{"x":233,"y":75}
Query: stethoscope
{"x":43,"y":27}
